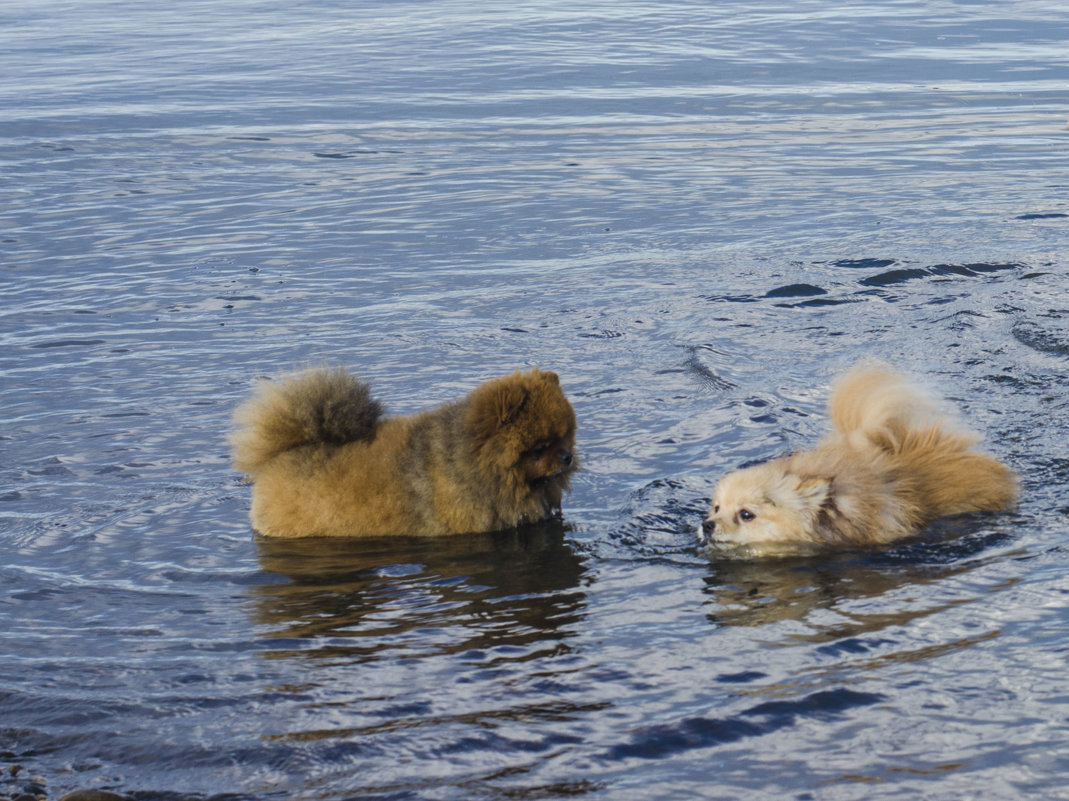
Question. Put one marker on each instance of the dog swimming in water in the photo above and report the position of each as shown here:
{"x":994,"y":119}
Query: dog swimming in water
{"x":890,"y":466}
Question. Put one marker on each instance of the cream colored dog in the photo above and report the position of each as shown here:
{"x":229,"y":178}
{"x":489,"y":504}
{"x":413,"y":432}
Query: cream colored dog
{"x":890,"y":466}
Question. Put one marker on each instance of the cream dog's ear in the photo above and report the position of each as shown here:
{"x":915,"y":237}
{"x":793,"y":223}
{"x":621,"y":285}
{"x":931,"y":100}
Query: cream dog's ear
{"x":814,"y":491}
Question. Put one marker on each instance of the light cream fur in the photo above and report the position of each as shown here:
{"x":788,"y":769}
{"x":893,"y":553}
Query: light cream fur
{"x":891,"y":465}
{"x":325,"y":462}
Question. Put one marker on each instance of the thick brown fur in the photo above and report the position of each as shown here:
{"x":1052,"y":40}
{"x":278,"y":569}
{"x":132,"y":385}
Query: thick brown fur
{"x":325,"y":462}
{"x":891,"y":466}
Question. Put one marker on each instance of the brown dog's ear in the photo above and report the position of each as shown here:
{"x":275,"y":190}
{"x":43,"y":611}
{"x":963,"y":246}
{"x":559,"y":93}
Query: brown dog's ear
{"x":549,"y":375}
{"x":511,"y":399}
{"x":495,"y":405}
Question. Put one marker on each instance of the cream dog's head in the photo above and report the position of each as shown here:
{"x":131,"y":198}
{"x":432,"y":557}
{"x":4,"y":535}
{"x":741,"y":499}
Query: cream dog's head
{"x":764,"y":504}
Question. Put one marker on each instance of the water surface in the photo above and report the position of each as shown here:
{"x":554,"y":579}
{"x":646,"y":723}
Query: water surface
{"x":697,"y":214}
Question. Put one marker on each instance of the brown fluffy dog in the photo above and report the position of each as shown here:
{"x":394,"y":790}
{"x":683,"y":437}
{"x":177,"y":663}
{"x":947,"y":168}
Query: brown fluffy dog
{"x":324,"y":462}
{"x":890,"y":466}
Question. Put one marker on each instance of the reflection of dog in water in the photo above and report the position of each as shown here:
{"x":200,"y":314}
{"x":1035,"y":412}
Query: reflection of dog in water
{"x":324,"y":461}
{"x":890,"y":466}
{"x":378,"y":598}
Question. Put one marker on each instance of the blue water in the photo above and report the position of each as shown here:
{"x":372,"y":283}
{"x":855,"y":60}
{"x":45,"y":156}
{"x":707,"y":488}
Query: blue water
{"x":697,"y":214}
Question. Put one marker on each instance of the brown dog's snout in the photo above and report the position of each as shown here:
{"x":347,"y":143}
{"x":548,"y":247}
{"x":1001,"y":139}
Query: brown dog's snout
{"x":566,"y":458}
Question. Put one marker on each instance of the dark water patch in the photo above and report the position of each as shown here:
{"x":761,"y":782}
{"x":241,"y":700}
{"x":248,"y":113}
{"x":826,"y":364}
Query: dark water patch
{"x":348,"y":154}
{"x":709,"y":376}
{"x":604,"y":333}
{"x":948,"y":543}
{"x":745,"y":677}
{"x":795,"y":291}
{"x":853,"y":646}
{"x":600,"y":392}
{"x":863,"y":264}
{"x":1017,"y":382}
{"x":974,"y":268}
{"x":1042,"y":338}
{"x":1042,"y":216}
{"x":904,"y":274}
{"x":490,"y":742}
{"x":961,"y":321}
{"x":764,"y":419}
{"x":819,"y":705}
{"x":943,"y":301}
{"x":201,"y":576}
{"x":730,"y":298}
{"x":68,"y":343}
{"x":1053,"y":470}
{"x":817,"y":302}
{"x":51,"y":467}
{"x":892,"y":277}
{"x":658,"y":742}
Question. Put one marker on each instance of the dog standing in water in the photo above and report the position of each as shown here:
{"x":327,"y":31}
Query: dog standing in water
{"x":324,"y":461}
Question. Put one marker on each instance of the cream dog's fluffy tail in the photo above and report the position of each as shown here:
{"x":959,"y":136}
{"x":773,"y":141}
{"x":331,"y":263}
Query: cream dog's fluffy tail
{"x":876,"y":402}
{"x":875,"y":406}
{"x":323,"y":406}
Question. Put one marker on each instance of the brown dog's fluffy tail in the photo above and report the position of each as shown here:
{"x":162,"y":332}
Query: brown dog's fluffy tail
{"x":872,"y":405}
{"x":324,"y":406}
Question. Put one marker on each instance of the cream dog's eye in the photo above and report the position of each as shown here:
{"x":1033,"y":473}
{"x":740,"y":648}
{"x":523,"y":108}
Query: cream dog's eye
{"x":716,"y":509}
{"x":745,"y":515}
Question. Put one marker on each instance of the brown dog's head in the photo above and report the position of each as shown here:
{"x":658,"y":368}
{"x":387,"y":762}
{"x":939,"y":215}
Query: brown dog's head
{"x":524,"y":432}
{"x":764,"y":504}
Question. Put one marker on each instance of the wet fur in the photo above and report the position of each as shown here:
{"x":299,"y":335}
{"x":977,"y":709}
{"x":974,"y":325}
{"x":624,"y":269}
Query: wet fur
{"x":891,"y":466}
{"x":324,"y":461}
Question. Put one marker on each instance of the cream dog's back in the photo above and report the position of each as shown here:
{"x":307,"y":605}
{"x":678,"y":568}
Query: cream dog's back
{"x":939,"y":473}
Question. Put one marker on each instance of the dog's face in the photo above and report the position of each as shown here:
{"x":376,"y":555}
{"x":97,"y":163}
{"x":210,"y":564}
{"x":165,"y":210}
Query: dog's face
{"x":765,"y":504}
{"x":525,"y":431}
{"x":548,"y":459}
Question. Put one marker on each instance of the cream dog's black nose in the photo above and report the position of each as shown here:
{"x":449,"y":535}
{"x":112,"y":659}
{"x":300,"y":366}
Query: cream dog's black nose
{"x":708,"y":527}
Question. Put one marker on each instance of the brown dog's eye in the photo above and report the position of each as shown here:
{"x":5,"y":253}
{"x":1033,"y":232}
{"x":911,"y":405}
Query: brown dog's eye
{"x":538,"y":451}
{"x":745,"y":515}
